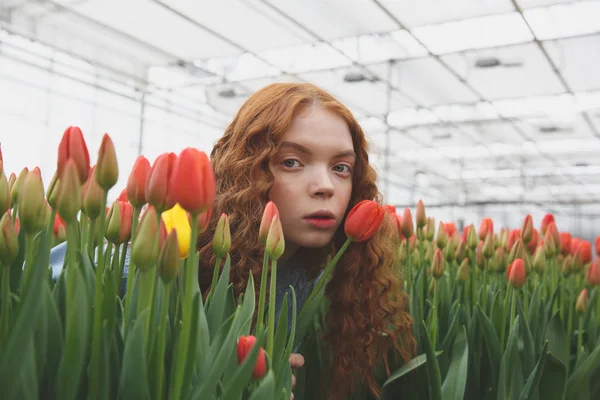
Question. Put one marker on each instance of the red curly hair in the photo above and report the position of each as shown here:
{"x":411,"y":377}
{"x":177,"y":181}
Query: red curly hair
{"x":366,"y":300}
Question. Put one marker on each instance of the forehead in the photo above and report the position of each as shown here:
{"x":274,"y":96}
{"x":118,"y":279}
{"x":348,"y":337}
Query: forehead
{"x":318,"y":127}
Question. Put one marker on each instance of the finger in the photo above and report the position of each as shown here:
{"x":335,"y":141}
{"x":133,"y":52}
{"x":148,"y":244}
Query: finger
{"x":292,"y":396}
{"x":296,"y":360}
{"x":293,"y":381}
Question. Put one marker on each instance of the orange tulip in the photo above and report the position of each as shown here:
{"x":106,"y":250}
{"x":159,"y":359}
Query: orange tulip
{"x":597,"y":246}
{"x":421,"y":217}
{"x":120,"y":219}
{"x":437,"y":266}
{"x":584,"y":251}
{"x":60,"y":226}
{"x":551,"y":229}
{"x":107,"y":167}
{"x":565,"y":243}
{"x":593,"y":274}
{"x":275,"y":244}
{"x":72,"y":146}
{"x":363,"y":220}
{"x":408,"y":228}
{"x":486,"y":226}
{"x":137,"y":181}
{"x":245,"y":344}
{"x":512,"y":238}
{"x":265,"y":223}
{"x":548,"y":218}
{"x":450,"y":229}
{"x":159,"y":182}
{"x":193,"y":181}
{"x":535,"y":238}
{"x":527,"y":229}
{"x":123,"y":196}
{"x":574,"y":243}
{"x":389,"y":208}
{"x":516,"y":273}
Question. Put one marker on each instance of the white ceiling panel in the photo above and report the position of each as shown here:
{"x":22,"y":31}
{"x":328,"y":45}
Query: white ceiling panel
{"x":184,"y":40}
{"x":380,"y":47}
{"x":337,"y":19}
{"x":475,"y":33}
{"x":564,"y":20}
{"x":540,"y":3}
{"x":425,"y":12}
{"x":515,"y":71}
{"x":554,"y":128}
{"x":305,"y":58}
{"x":493,"y":132}
{"x":577,"y":61}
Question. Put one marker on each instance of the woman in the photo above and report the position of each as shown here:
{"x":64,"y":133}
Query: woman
{"x":298,"y":146}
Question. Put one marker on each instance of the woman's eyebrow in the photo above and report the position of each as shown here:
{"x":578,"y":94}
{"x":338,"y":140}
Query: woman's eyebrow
{"x":306,"y":150}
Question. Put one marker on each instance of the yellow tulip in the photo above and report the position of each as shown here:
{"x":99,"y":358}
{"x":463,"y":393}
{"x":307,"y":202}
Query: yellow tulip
{"x":176,"y":218}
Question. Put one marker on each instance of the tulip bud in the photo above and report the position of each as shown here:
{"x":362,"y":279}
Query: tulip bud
{"x":428,"y":252}
{"x":275,"y":244}
{"x":461,"y":251}
{"x":176,"y":218}
{"x":430,"y":229}
{"x":527,"y":229}
{"x":488,"y":246}
{"x":114,"y":222}
{"x":221,"y":243}
{"x":553,"y":231}
{"x":16,"y":187}
{"x":407,"y":223}
{"x":123,"y":196}
{"x":501,"y":261}
{"x":415,"y":256}
{"x":389,"y":209}
{"x":193,"y":181}
{"x":593,"y":274}
{"x":93,"y":196}
{"x":412,"y":242}
{"x":11,"y":183}
{"x":53,"y":191}
{"x":69,"y":198}
{"x":567,"y":266}
{"x":449,"y":250}
{"x":450,"y":229}
{"x":584,"y":252}
{"x":582,"y":302}
{"x":4,"y":193}
{"x":120,"y":218}
{"x":486,"y":226}
{"x":144,"y":250}
{"x":463,"y":271}
{"x":398,"y":220}
{"x":518,"y":251}
{"x":59,"y":230}
{"x":363,"y":220}
{"x":421,"y":217}
{"x":168,"y":261}
{"x":479,"y":257}
{"x":432,"y":286}
{"x":402,"y":252}
{"x":32,"y":207}
{"x":539,"y":260}
{"x":137,"y":181}
{"x":512,"y":238}
{"x":442,"y":236}
{"x":159,"y":182}
{"x":472,"y":239}
{"x":245,"y":344}
{"x":533,"y":243}
{"x":437,"y":267}
{"x":107,"y":167}
{"x":547,"y":220}
{"x":265,"y":224}
{"x":549,"y":247}
{"x":565,"y":242}
{"x":72,"y":147}
{"x":9,"y":242}
{"x":516,"y":273}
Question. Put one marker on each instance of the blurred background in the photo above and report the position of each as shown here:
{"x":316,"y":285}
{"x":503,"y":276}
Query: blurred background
{"x":482,"y":108}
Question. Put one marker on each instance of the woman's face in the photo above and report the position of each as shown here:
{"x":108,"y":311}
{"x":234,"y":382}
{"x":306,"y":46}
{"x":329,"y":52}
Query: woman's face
{"x":313,"y":178}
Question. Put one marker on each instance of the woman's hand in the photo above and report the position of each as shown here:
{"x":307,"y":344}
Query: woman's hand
{"x":296,"y":361}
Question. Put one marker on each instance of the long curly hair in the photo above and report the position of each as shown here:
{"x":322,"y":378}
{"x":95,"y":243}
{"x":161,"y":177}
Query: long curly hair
{"x":368,"y":313}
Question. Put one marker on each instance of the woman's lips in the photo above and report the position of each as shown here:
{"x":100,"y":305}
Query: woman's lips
{"x":320,"y":222}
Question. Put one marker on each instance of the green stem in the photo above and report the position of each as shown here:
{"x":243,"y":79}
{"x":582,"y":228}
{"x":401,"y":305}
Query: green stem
{"x":571,"y":311}
{"x":328,"y":271}
{"x":121,"y":266}
{"x":260,"y":319}
{"x":408,"y":267}
{"x":97,"y":327}
{"x":131,"y":271}
{"x":435,"y":316}
{"x":473,"y":277}
{"x":84,"y":224}
{"x":91,"y":243}
{"x":597,"y":304}
{"x":271,"y":323}
{"x":513,"y":308}
{"x":162,"y":336}
{"x":485,"y":283}
{"x":215,"y":279}
{"x":190,"y":280}
{"x":28,"y":262}
{"x":579,"y":338}
{"x":507,"y":298}
{"x":145,"y":300}
{"x":6,"y":299}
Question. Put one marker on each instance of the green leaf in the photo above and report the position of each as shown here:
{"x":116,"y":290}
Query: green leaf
{"x":281,"y":334}
{"x":16,"y":268}
{"x":55,"y":341}
{"x":133,"y":383}
{"x":456,"y":379}
{"x":194,"y":363}
{"x":493,"y":347}
{"x":528,"y":346}
{"x":554,"y":379}
{"x":29,"y":381}
{"x":534,"y":318}
{"x":243,"y":373}
{"x":557,"y":339}
{"x":266,"y":389}
{"x":452,"y":331}
{"x":530,"y":390}
{"x":509,"y":362}
{"x":214,"y":314}
{"x":408,"y":367}
{"x":433,"y":369}
{"x":496,"y":319}
{"x":579,"y":382}
{"x":307,"y":314}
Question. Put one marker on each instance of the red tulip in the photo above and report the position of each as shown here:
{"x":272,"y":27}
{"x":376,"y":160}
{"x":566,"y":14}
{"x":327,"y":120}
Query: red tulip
{"x":137,"y":182}
{"x":363,"y":220}
{"x":159,"y":182}
{"x":107,"y":167}
{"x":202,"y":220}
{"x":593,"y":274}
{"x":193,"y":181}
{"x":245,"y":344}
{"x":59,"y":226}
{"x":527,"y":229}
{"x":398,"y":221}
{"x":551,"y":229}
{"x":92,"y":196}
{"x":265,"y":224}
{"x":275,"y":243}
{"x":123,"y":196}
{"x":597,"y":246}
{"x":548,"y":218}
{"x":512,"y":238}
{"x":72,"y":146}
{"x":465,"y":234}
{"x":574,"y":243}
{"x":565,"y":243}
{"x":486,"y":226}
{"x":389,"y":208}
{"x":450,"y":229}
{"x":126,"y":210}
{"x":532,"y":245}
{"x":516,"y":273}
{"x":584,"y":251}
{"x":408,"y":228}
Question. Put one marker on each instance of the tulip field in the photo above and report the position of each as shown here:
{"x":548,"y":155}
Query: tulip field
{"x":498,"y":313}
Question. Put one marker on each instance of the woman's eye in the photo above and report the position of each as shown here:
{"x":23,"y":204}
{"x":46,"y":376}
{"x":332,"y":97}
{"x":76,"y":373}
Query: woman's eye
{"x":342,"y":168}
{"x":290,"y":163}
